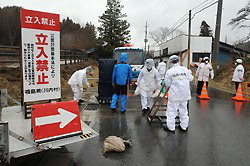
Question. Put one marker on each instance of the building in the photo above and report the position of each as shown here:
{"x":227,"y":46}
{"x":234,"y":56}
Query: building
{"x":200,"y":47}
{"x":228,"y":53}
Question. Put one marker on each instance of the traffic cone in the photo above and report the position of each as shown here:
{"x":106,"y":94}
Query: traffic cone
{"x":166,"y":95}
{"x":203,"y":105}
{"x":239,"y":96}
{"x":204,"y":94}
{"x":238,"y":106}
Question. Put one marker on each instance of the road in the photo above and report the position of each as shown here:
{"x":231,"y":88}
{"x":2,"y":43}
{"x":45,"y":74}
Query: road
{"x":218,"y":134}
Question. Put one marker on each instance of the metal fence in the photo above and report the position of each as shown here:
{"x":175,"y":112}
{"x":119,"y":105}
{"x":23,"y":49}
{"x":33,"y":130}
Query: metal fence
{"x":10,"y":55}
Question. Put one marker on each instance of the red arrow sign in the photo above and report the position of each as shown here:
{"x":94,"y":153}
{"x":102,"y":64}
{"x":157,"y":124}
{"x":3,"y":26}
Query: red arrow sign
{"x":54,"y":120}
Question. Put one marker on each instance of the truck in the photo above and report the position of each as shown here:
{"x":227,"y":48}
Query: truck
{"x":135,"y":58}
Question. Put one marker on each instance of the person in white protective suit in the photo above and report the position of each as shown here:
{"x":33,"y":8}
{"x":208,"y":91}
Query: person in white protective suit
{"x":148,"y":81}
{"x":162,"y":68}
{"x":77,"y":79}
{"x":238,"y":75}
{"x":177,"y":79}
{"x":202,"y":74}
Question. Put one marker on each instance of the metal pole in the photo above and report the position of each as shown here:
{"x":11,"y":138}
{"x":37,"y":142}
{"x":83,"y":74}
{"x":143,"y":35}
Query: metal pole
{"x":146,"y":40}
{"x":189,"y":38}
{"x":217,"y":36}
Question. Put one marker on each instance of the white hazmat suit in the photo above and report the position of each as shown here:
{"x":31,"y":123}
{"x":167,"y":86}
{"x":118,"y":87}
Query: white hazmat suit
{"x":162,"y":69}
{"x":203,"y":72}
{"x":238,"y":73}
{"x":178,"y":80}
{"x":238,"y":76}
{"x":148,"y":81}
{"x":76,"y":81}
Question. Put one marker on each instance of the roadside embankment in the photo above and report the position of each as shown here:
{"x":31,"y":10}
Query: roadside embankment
{"x":10,"y":79}
{"x":223,"y":78}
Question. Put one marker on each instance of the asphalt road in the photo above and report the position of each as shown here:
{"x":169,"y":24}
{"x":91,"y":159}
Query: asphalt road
{"x":218,"y":134}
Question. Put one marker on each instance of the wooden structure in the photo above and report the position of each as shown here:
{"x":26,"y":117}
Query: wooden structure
{"x":158,"y":111}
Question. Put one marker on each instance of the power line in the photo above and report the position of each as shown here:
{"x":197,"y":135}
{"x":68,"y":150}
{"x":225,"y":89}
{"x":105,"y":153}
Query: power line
{"x":204,"y":8}
{"x":157,"y":10}
{"x":183,"y":19}
{"x":162,"y":7}
{"x":173,"y":29}
{"x":205,"y":4}
{"x":200,"y":4}
{"x":177,"y":26}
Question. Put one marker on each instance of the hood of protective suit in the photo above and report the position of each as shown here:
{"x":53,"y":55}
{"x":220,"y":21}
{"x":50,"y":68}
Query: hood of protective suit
{"x":89,"y":69}
{"x":171,"y":59}
{"x":123,"y":57}
{"x":149,"y":63}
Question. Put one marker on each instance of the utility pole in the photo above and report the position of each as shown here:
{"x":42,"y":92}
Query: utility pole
{"x":146,"y":40}
{"x":148,"y":52}
{"x":189,"y":38}
{"x":217,"y":36}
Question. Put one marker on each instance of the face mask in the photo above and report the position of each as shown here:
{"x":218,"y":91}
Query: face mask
{"x":149,"y":68}
{"x":206,"y":62}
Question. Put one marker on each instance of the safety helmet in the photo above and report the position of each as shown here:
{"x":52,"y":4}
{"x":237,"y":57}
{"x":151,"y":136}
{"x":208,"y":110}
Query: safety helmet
{"x":149,"y":63}
{"x":238,"y":60}
{"x":206,"y":58}
{"x":174,"y":59}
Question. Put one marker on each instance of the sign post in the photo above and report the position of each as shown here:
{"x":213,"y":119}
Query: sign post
{"x":40,"y":56}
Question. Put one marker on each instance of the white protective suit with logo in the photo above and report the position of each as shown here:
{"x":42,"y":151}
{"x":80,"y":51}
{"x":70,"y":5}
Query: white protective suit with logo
{"x":76,"y":82}
{"x":203,"y":72}
{"x":178,"y":80}
{"x":162,"y":69}
{"x":148,"y":81}
{"x":238,"y":73}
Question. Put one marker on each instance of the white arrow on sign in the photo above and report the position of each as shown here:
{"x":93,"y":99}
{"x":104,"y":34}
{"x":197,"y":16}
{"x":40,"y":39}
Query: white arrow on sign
{"x":64,"y":116}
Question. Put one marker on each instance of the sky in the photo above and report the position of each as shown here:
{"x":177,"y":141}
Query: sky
{"x":158,"y":13}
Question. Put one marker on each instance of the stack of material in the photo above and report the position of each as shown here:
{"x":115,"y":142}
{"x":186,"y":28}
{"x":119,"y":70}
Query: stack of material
{"x":116,"y":144}
{"x":105,"y":88}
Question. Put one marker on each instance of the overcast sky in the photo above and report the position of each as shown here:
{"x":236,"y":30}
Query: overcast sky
{"x":158,"y":13}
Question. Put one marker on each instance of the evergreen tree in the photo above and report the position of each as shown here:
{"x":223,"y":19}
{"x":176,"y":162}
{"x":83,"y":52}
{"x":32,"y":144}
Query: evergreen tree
{"x":113,"y":31}
{"x":205,"y":29}
{"x":73,"y":35}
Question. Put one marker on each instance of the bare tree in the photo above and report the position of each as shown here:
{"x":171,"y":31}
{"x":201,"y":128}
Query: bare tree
{"x":164,"y":34}
{"x":242,"y":19}
{"x":10,"y":25}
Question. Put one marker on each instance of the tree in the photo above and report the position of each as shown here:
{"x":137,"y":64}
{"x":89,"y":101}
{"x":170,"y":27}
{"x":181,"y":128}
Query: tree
{"x":74,"y":35}
{"x":242,"y":19}
{"x":164,"y":34}
{"x":113,"y":31}
{"x":205,"y":29}
{"x":10,"y":27}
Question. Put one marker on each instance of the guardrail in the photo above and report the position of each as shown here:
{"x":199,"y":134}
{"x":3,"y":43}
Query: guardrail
{"x":10,"y":55}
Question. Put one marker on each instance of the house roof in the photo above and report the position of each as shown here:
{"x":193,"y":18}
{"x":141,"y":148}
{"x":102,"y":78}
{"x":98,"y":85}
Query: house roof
{"x":228,"y":47}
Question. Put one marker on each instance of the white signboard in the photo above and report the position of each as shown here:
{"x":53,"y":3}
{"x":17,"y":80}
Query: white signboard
{"x":40,"y":55}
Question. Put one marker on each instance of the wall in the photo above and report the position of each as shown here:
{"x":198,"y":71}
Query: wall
{"x":224,"y":57}
{"x":175,"y":45}
{"x":179,"y":44}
